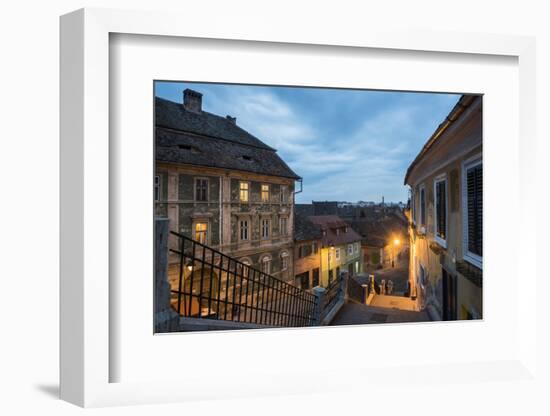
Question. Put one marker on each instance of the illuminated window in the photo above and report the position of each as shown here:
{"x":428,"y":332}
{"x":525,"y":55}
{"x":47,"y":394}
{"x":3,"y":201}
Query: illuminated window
{"x":243,"y":187}
{"x":157,"y":188}
{"x":265,"y":228}
{"x":265,"y":193}
{"x":201,"y":232}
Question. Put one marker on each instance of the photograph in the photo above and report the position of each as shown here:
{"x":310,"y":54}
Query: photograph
{"x":290,"y":206}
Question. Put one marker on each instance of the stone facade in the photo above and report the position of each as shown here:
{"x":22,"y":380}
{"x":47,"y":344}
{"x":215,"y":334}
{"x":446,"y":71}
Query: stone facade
{"x":223,"y":211}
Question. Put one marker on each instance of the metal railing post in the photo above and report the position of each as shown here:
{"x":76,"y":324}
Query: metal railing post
{"x":319,"y":293}
{"x":344,"y":276}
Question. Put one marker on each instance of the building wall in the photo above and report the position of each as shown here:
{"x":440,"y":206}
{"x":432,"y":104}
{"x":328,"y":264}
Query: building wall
{"x":223,"y":210}
{"x":426,"y":252}
{"x":342,"y":263}
{"x":308,"y":263}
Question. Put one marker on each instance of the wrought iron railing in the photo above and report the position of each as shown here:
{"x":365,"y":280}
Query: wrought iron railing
{"x":333,"y":293}
{"x":213,"y":285}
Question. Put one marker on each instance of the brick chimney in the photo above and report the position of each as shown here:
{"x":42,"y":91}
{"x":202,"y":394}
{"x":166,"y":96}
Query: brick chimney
{"x":232,"y":119}
{"x":192,"y":100}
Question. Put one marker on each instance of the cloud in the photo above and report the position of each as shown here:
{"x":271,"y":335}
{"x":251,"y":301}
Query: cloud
{"x":347,"y":145}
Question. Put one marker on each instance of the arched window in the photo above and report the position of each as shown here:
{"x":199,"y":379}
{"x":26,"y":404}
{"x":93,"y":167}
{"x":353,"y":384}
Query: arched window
{"x":246,"y":266}
{"x":266,"y":264}
{"x":284,"y":260}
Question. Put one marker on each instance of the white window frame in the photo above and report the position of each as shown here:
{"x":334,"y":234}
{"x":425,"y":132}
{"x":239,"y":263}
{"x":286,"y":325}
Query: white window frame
{"x":442,"y":242}
{"x":356,"y":248}
{"x":468,"y":256}
{"x":350,"y":249}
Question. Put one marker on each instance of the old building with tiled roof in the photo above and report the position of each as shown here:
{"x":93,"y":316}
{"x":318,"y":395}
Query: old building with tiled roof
{"x":325,"y":245}
{"x":222,"y":186}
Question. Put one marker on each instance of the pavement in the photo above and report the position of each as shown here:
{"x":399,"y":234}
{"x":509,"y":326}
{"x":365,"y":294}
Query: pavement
{"x":394,"y":302}
{"x":356,"y":314}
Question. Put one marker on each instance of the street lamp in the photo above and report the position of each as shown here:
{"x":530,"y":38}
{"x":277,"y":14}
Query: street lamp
{"x":396,"y":243}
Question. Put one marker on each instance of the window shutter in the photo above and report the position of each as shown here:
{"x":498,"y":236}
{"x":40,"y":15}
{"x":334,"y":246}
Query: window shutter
{"x":474,"y":179}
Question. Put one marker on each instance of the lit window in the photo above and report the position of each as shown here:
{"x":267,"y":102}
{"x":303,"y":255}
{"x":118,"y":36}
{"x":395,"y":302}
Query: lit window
{"x":244,"y":229}
{"x":265,"y":228}
{"x":201,"y":189}
{"x":283,"y":226}
{"x":337,"y":254}
{"x":157,"y":188}
{"x":265,"y":193}
{"x":243,"y":187}
{"x":201,"y":231}
{"x":440,"y":192}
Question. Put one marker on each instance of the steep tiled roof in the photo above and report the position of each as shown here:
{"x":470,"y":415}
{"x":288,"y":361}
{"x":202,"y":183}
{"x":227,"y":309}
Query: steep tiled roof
{"x":333,"y":227}
{"x":205,"y":139}
{"x":304,"y":229}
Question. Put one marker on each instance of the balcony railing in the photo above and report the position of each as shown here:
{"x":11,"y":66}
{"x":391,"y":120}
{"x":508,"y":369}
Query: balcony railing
{"x":212,"y":285}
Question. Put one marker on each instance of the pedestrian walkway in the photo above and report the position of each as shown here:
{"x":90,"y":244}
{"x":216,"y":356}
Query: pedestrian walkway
{"x":355,"y":314}
{"x":395,"y":302}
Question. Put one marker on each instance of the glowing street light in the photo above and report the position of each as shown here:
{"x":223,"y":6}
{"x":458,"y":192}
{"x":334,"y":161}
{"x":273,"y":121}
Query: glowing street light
{"x":396,"y":242}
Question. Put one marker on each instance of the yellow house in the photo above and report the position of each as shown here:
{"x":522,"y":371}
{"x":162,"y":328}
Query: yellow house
{"x":446,"y":216}
{"x":340,"y":248}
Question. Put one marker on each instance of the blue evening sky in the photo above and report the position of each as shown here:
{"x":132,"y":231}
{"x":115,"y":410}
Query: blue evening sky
{"x":347,"y":145}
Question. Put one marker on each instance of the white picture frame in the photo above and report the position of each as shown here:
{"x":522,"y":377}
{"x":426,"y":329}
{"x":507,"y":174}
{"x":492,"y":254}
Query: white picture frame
{"x":86,"y":261}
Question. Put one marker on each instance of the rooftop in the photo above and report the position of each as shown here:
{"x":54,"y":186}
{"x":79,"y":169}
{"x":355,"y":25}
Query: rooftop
{"x":335,"y":230}
{"x":188,"y":135}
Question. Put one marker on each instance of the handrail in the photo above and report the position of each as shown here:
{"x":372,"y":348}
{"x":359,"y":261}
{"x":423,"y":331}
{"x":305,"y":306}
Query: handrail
{"x":213,"y":285}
